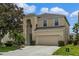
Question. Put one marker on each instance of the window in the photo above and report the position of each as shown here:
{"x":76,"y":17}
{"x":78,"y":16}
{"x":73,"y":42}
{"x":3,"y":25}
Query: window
{"x":56,"y":22}
{"x":39,"y":17}
{"x":45,"y":23}
{"x":36,"y":25}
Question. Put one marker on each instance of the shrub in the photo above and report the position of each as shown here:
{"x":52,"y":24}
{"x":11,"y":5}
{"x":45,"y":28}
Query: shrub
{"x":9,"y":43}
{"x":2,"y":45}
{"x":19,"y":39}
{"x":61,"y":43}
{"x":75,"y":42}
{"x":33,"y":42}
{"x":70,"y":42}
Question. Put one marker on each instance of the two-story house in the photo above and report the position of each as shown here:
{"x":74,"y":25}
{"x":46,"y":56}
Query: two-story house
{"x":45,"y":29}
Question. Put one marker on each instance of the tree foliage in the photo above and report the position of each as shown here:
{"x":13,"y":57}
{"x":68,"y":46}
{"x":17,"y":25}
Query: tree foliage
{"x":10,"y":18}
{"x":76,"y":30}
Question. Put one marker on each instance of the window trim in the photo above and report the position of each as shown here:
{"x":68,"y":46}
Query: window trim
{"x":44,"y":23}
{"x":56,"y":21}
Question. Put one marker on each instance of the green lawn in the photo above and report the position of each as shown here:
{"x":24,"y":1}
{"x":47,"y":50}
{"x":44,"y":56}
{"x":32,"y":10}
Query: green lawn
{"x":73,"y":50}
{"x":6,"y":49}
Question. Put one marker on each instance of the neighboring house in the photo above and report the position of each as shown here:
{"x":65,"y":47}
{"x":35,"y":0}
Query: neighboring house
{"x":45,"y":29}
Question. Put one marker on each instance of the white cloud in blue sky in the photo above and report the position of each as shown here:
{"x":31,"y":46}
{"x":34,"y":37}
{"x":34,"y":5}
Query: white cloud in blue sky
{"x":54,"y":10}
{"x":75,"y":13}
{"x":32,"y":8}
{"x":44,"y":10}
{"x":71,"y":27}
{"x":27,"y":9}
{"x":58,"y":10}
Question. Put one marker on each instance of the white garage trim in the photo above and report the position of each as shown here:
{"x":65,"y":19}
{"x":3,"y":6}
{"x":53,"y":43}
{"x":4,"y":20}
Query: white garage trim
{"x":47,"y":39}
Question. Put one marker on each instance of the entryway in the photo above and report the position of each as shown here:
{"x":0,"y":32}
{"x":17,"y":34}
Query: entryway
{"x":29,"y":32}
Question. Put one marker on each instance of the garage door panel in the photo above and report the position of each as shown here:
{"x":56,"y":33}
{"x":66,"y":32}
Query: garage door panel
{"x":47,"y":39}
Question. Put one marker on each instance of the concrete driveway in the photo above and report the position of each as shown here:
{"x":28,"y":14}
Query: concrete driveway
{"x":33,"y":51}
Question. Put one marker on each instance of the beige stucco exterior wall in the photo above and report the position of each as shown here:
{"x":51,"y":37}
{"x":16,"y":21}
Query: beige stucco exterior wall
{"x":50,"y":32}
{"x":66,"y":31}
{"x":51,"y":20}
{"x":63,"y":32}
{"x":33,"y":22}
{"x":24,"y":29}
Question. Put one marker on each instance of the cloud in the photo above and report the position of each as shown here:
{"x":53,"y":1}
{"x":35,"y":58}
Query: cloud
{"x":75,"y":13}
{"x":27,"y":8}
{"x":54,"y":10}
{"x":71,"y":27}
{"x":44,"y":10}
{"x":58,"y":10}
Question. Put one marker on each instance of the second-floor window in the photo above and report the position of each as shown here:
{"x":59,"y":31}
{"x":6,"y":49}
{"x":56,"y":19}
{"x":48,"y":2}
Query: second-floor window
{"x":56,"y":22}
{"x":45,"y":23}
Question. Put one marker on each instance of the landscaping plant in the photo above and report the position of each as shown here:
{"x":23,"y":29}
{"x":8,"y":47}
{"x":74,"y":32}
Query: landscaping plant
{"x":76,"y":31}
{"x":61,"y":43}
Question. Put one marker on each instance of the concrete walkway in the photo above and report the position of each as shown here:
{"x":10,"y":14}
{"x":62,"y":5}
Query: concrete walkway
{"x":33,"y":51}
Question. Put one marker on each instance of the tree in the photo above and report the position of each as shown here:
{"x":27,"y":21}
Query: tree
{"x":10,"y":18}
{"x":71,"y":37}
{"x":76,"y":30}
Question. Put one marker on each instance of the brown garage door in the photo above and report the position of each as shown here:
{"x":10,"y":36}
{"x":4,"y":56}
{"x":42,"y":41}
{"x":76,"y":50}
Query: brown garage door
{"x":47,"y":39}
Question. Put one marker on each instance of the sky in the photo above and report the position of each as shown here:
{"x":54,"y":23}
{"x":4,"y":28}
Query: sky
{"x":70,"y":10}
